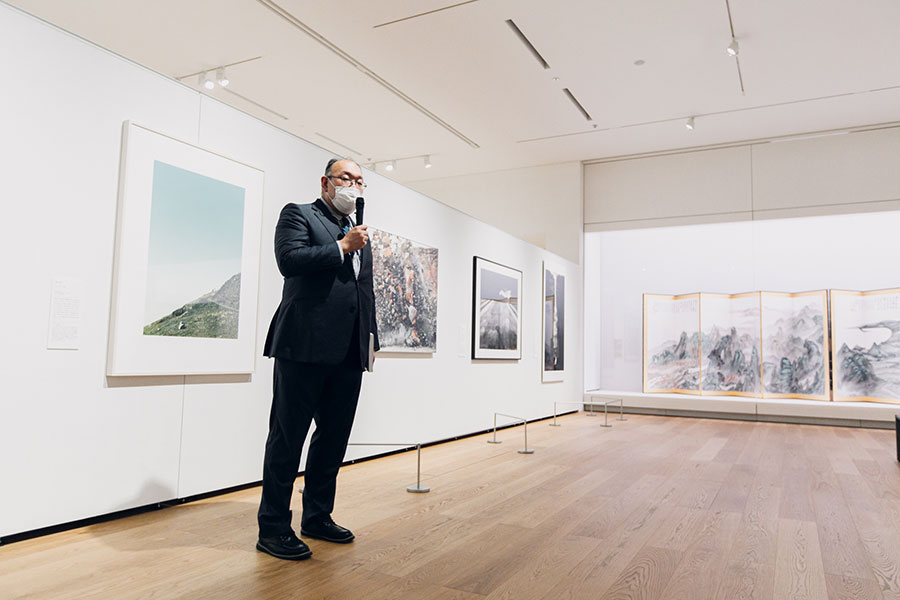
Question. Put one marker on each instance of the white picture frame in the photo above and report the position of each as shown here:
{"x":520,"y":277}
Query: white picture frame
{"x":553,"y":323}
{"x":134,"y":348}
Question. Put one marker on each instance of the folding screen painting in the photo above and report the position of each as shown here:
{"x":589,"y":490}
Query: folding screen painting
{"x":554,"y":327}
{"x":795,"y":345}
{"x":405,"y":280}
{"x":496,"y":309}
{"x":672,"y":343}
{"x":187,"y":260}
{"x":865,"y":337}
{"x":730,"y":344}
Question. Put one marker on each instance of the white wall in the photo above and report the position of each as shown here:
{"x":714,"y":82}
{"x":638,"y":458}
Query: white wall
{"x":854,"y":172}
{"x":76,"y":444}
{"x":542,"y":205}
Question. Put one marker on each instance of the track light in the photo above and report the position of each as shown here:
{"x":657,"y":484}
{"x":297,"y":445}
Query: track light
{"x":205,"y":81}
{"x":428,"y":162}
{"x":390,"y":166}
{"x":221,"y":78}
{"x":689,"y":123}
{"x":733,"y":49}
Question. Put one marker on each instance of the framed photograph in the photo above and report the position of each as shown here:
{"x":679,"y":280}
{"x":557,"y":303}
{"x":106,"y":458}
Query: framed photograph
{"x":865,"y":338}
{"x":405,"y":277}
{"x":795,"y":345}
{"x":672,"y":343}
{"x":554,"y":324}
{"x":496,"y":310}
{"x":186,"y":270}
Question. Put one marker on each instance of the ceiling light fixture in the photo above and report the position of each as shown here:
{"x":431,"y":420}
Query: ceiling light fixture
{"x":221,"y":78}
{"x":205,"y":81}
{"x":390,"y":166}
{"x":733,"y":49}
{"x":689,"y":123}
{"x":428,"y":162}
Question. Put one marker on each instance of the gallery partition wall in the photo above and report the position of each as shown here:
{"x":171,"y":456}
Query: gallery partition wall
{"x":78,"y":442}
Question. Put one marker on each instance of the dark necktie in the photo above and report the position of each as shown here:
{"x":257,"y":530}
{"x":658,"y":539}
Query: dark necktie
{"x":345,"y":229}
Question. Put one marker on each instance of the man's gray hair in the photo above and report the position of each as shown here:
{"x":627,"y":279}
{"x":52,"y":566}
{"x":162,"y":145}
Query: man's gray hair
{"x":334,"y":160}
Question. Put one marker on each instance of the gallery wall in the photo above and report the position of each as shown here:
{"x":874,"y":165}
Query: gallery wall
{"x":542,"y":205}
{"x":836,"y":174}
{"x":78,"y":444}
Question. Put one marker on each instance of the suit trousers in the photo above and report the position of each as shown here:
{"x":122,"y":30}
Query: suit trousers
{"x":304,"y":392}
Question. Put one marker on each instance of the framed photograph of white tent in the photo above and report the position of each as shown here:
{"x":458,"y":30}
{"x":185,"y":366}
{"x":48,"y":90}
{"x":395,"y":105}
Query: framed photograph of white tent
{"x":496,"y":311}
{"x":187,"y":260}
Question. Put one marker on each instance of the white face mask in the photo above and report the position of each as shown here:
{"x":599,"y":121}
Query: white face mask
{"x":344,"y":199}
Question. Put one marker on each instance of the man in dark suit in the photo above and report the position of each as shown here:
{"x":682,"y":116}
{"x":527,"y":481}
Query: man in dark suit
{"x":320,"y":339}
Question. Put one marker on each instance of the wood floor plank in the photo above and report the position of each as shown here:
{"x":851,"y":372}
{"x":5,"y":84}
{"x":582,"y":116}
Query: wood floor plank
{"x":646,"y":575}
{"x":799,"y":573}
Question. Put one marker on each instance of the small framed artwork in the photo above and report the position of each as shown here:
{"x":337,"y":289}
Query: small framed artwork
{"x":554,"y":326}
{"x":187,"y":260}
{"x":496,"y":311}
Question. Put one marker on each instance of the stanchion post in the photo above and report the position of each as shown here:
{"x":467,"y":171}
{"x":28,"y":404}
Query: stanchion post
{"x":554,"y":423}
{"x":525,"y":450}
{"x":418,"y":488}
{"x":590,"y":412}
{"x":606,"y":415}
{"x":495,"y":440}
{"x":622,"y":410}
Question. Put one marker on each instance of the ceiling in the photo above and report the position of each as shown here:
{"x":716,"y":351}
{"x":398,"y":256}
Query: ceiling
{"x":402,"y":79}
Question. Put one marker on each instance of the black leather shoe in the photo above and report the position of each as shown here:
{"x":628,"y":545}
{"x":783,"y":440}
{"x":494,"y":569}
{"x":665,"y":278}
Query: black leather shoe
{"x":327,"y":530}
{"x":287,"y":546}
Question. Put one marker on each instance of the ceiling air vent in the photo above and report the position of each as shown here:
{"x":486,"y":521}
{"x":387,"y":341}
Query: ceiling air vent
{"x":527,"y":43}
{"x":576,"y":103}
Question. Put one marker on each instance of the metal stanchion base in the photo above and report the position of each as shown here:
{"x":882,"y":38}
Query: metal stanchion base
{"x":621,"y":419}
{"x":495,"y":441}
{"x":590,"y":414}
{"x":526,"y":451}
{"x":418,"y":489}
{"x":555,"y":425}
{"x":605,"y":425}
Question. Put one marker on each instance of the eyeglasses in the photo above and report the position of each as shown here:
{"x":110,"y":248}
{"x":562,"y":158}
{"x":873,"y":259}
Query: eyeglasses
{"x":348,"y":182}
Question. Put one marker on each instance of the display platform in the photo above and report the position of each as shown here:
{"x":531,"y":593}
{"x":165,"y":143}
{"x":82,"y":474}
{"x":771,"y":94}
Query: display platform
{"x":849,"y":414}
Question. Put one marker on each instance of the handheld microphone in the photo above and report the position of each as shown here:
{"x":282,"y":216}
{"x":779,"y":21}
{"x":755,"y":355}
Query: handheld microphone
{"x":360,"y":206}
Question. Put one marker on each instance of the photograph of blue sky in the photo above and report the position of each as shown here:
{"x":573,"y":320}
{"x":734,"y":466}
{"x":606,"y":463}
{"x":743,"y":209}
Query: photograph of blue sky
{"x":196,"y":235}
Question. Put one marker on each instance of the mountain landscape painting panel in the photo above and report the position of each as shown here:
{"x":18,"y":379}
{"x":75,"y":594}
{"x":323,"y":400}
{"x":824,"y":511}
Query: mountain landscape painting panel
{"x":795,"y":345}
{"x":672,"y":343}
{"x":194,"y":259}
{"x":865,"y":332}
{"x":730,"y":344}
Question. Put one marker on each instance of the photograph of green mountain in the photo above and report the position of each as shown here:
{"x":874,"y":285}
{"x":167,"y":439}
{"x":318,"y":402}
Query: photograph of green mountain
{"x":194,"y":262}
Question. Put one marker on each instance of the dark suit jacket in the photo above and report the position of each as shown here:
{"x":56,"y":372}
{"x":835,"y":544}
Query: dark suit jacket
{"x":322,"y":301}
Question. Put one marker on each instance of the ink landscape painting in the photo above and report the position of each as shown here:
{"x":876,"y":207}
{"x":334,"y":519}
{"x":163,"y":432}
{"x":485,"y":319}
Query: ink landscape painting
{"x":794,"y":345}
{"x":194,"y":261}
{"x":672,"y":343}
{"x":730,"y":344}
{"x":865,"y":331}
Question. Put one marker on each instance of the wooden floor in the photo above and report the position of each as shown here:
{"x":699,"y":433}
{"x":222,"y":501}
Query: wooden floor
{"x":655,"y":507}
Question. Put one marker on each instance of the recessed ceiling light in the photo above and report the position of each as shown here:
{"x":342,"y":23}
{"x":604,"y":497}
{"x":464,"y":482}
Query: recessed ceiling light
{"x":427,"y":162}
{"x":639,"y":62}
{"x":390,"y":166}
{"x":689,"y":123}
